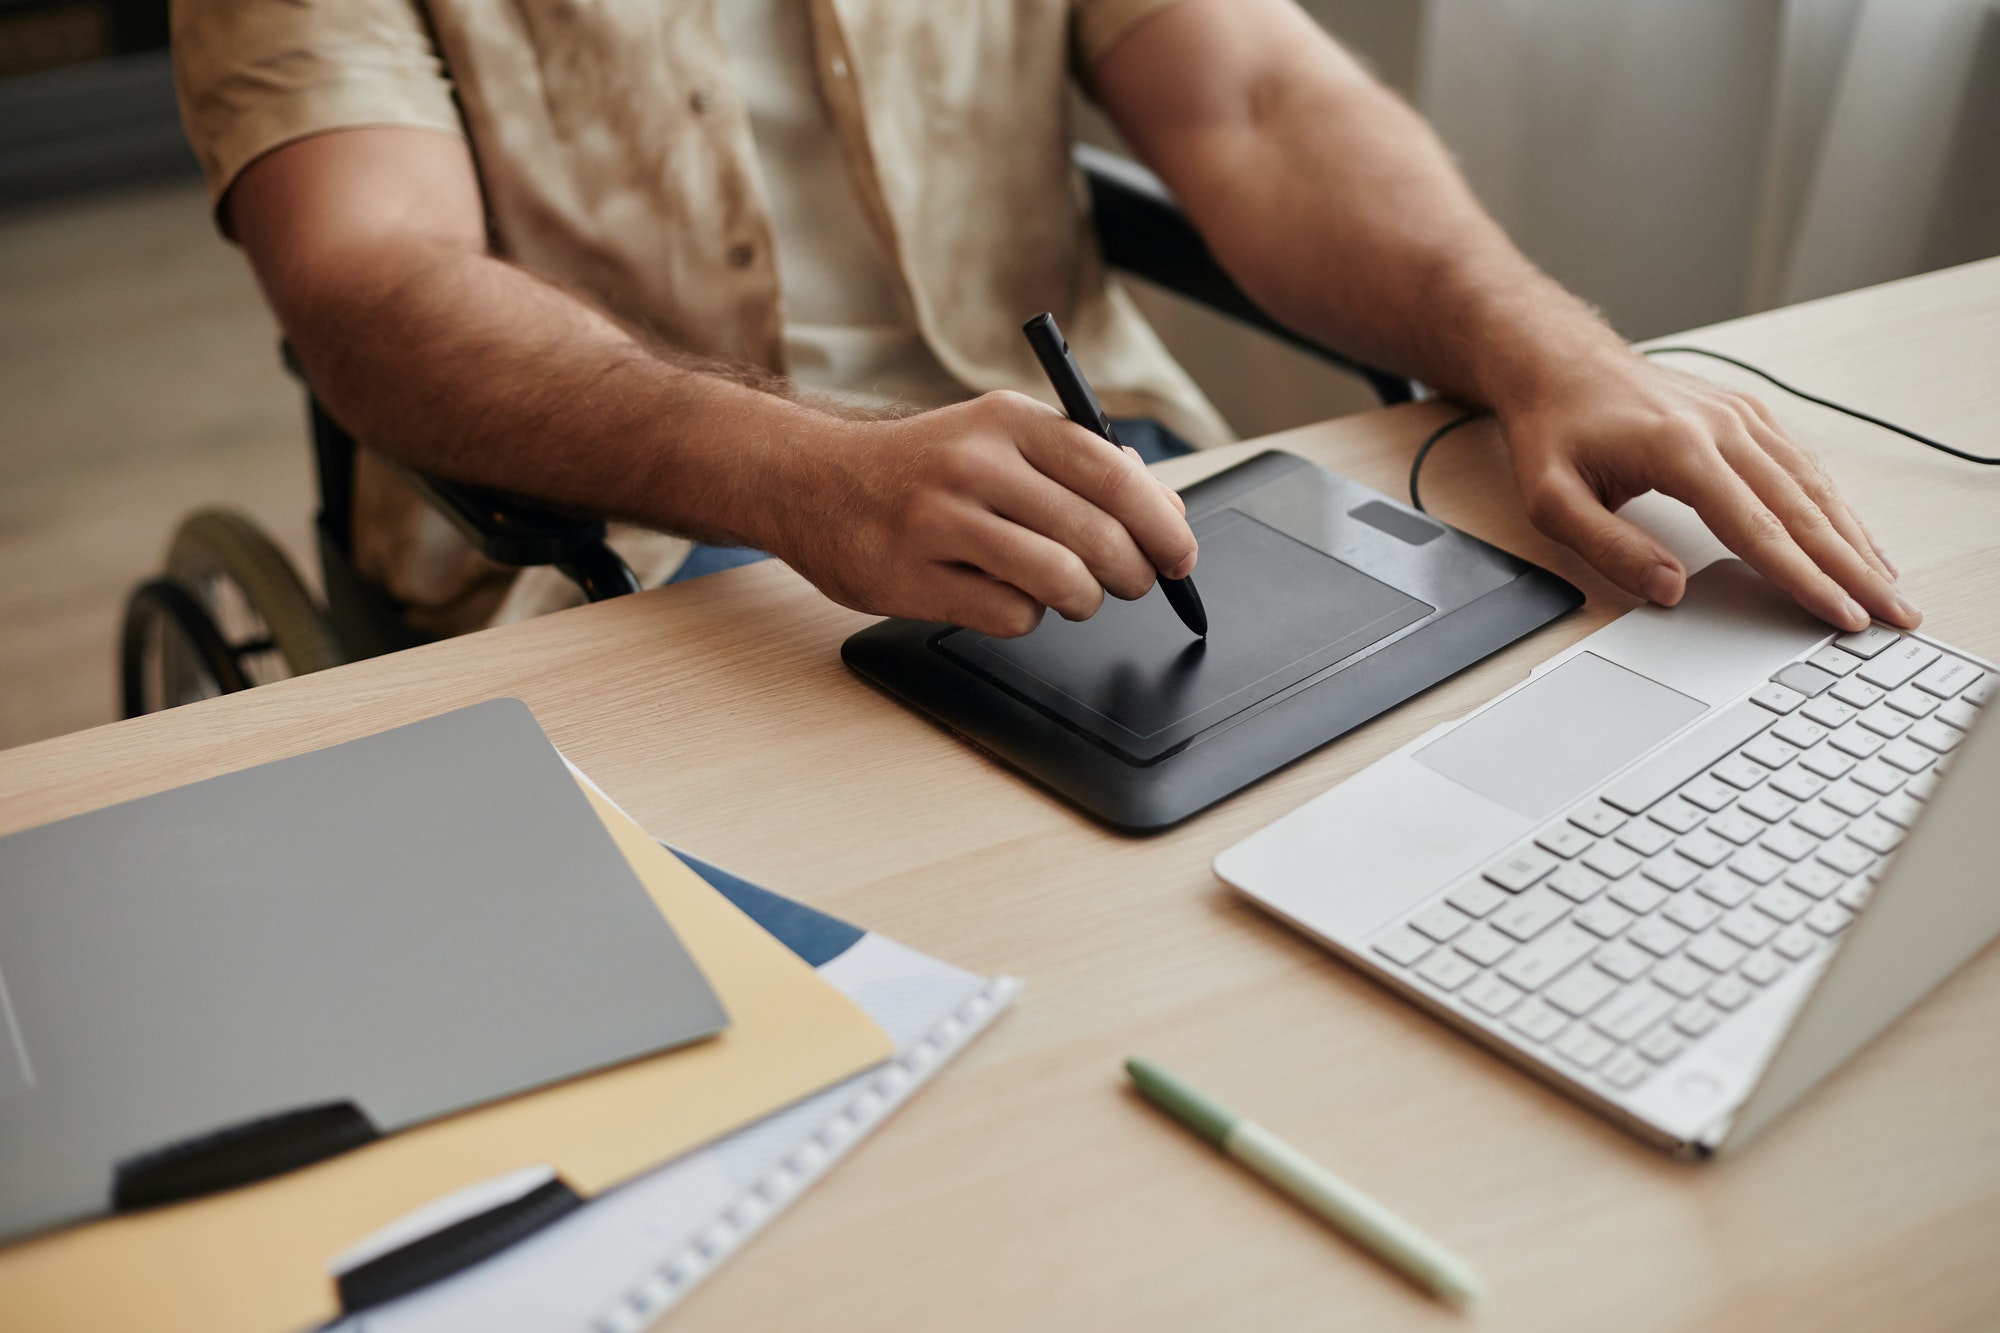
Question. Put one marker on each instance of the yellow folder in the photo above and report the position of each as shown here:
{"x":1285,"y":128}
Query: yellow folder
{"x":255,"y":1259}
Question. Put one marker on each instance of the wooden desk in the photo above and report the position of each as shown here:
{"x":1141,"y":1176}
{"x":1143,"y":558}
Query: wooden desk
{"x":1028,"y":1189}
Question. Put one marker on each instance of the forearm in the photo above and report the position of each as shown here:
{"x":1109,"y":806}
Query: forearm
{"x":1337,"y":209}
{"x":463,"y":365}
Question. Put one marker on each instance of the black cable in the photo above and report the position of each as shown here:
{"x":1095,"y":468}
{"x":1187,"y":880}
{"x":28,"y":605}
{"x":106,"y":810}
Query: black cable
{"x":1424,"y":449}
{"x":1856,"y":413}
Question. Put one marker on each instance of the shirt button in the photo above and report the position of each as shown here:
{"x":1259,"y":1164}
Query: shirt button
{"x":741,"y":255}
{"x":701,"y":100}
{"x":839,"y":67}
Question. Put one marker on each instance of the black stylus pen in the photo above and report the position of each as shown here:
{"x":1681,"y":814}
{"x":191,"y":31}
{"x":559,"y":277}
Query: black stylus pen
{"x":1083,"y":408}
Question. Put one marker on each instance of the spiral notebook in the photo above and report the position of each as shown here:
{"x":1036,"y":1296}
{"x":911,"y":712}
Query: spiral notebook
{"x":623,"y":1260}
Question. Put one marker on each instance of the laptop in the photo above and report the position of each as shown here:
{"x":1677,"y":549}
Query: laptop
{"x":254,"y":971}
{"x":1684,"y":871}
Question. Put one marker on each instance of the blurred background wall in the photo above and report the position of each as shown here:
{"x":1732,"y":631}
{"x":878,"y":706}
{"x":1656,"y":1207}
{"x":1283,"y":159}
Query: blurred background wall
{"x":1677,"y":162}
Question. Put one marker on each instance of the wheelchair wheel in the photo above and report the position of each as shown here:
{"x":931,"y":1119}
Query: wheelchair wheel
{"x":229,"y":613}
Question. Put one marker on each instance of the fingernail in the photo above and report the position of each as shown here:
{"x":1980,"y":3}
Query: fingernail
{"x":1852,"y":613}
{"x":1907,"y":609}
{"x":1661,"y":585}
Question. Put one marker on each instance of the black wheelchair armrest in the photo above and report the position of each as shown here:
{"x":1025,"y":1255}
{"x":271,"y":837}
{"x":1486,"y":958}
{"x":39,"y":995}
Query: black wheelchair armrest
{"x":506,"y":529}
{"x":1142,"y":231}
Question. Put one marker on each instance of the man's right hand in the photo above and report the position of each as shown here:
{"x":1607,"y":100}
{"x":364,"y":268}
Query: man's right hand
{"x":981,"y":514}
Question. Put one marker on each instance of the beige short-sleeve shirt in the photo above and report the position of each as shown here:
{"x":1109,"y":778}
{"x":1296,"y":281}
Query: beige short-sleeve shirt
{"x":616,"y":156}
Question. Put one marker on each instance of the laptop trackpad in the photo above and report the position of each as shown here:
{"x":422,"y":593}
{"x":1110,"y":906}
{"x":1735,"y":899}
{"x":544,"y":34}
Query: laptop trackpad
{"x":1554,"y":739}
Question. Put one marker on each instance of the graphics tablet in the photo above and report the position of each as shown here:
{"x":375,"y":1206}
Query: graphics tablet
{"x":1328,"y":603}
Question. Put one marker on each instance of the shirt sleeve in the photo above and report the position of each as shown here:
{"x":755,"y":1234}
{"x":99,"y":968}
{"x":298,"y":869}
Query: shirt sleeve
{"x":1098,"y":25}
{"x":253,"y":75}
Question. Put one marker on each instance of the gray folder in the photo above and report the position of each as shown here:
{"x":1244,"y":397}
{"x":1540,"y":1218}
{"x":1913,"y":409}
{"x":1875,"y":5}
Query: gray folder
{"x":257,"y":970}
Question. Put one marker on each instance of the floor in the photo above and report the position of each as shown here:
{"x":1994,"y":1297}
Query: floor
{"x":139,"y":379}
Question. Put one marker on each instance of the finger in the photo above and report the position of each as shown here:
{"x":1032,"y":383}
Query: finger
{"x":1567,"y":509}
{"x":1114,"y":559}
{"x":1747,"y":526}
{"x":1841,"y":551}
{"x":1045,"y":570}
{"x":1812,"y":478}
{"x":1106,"y":476}
{"x":1172,"y":494}
{"x":961,"y":596}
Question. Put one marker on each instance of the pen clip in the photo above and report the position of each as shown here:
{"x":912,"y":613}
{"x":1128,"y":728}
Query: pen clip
{"x":1066,"y":376}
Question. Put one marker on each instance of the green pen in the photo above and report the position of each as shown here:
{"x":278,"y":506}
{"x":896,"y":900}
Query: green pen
{"x":1350,"y":1211}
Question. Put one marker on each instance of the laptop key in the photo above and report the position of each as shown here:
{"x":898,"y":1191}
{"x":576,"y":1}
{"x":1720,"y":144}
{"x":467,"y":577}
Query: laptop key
{"x":1724,"y":887}
{"x":1829,"y":918}
{"x":1677,"y":814}
{"x":1578,"y":883}
{"x":1911,"y":701}
{"x":1716,"y":952}
{"x":1738,"y":772}
{"x":1946,"y":677}
{"x":1959,"y":713}
{"x":1610,"y":860}
{"x":1707,"y":793}
{"x":1581,"y":1047}
{"x":1637,"y":895}
{"x":1483,"y":945}
{"x":1704,"y":849}
{"x":1729,"y":993}
{"x":1936,"y":735}
{"x":1749,"y":927}
{"x":1440,"y":922}
{"x":1978,"y":692}
{"x":1771,"y":804}
{"x":1635,"y":1009}
{"x":1800,"y":783}
{"x":1476,"y":898}
{"x":1900,"y":809}
{"x":1603,"y":918}
{"x":1763,"y":967}
{"x":1625,"y":1071}
{"x":1795,"y":942}
{"x":1548,"y":957}
{"x":1866,"y":643}
{"x":1857,"y":693}
{"x":1829,"y":711}
{"x":1778,"y":698}
{"x":1908,"y":756}
{"x":1879,"y":777}
{"x":1447,"y":970}
{"x":1820,"y":820}
{"x":1598,"y":818}
{"x":1800,"y":731}
{"x":1621,"y":960}
{"x":1530,"y":914}
{"x":1736,"y":826}
{"x":1825,"y":761}
{"x":1402,"y":945}
{"x":1756,"y":865}
{"x":1784,"y":904}
{"x":1522,"y":868}
{"x":1656,"y":936}
{"x":1815,"y":880}
{"x":1491,"y":996}
{"x":1580,"y":990}
{"x":1884,"y":721}
{"x":1877,"y":834}
{"x":1788,"y":841}
{"x":1854,"y":896}
{"x":1834,"y":661}
{"x":1535,"y":1020}
{"x":1849,"y":798}
{"x":1848,"y":858}
{"x":1565,"y":840}
{"x":1695,"y":1018}
{"x":1691,"y":911}
{"x":1671,"y":870}
{"x":1897,"y":665}
{"x":1661,"y":1044}
{"x":1856,"y":741}
{"x":1684,"y":978}
{"x":1807,"y":679}
{"x":1644,"y":836}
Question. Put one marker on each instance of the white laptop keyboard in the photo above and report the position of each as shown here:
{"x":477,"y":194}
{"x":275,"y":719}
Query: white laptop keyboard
{"x":1641,"y":919}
